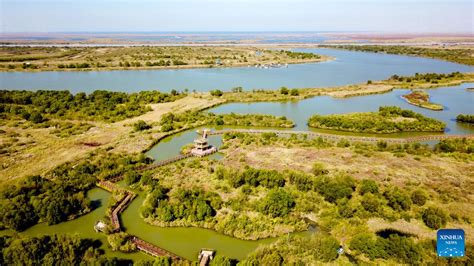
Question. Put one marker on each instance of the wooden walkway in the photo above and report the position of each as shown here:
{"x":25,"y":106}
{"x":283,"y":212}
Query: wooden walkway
{"x":115,"y":221}
{"x":153,"y":250}
{"x":344,"y":137}
{"x":168,"y":161}
{"x":129,"y":195}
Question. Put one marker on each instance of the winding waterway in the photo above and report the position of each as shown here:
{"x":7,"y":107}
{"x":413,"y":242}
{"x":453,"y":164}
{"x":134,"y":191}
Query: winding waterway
{"x":347,"y":68}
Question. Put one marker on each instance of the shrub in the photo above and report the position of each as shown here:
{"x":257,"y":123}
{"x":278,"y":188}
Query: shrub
{"x":368,"y":186}
{"x":434,"y":218}
{"x":399,"y":247}
{"x":397,"y":200}
{"x":284,"y":90}
{"x":277,"y":203}
{"x":220,"y":260}
{"x":370,"y":203}
{"x":419,"y":197}
{"x":336,"y":188}
{"x":141,"y":125}
{"x":319,"y":169}
{"x":217,"y":93}
{"x":295,"y":92}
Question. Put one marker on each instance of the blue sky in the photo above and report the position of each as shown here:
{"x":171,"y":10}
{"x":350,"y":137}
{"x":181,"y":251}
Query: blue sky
{"x":236,"y":15}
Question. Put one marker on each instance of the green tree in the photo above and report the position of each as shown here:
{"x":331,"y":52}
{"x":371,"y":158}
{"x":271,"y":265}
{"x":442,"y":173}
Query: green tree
{"x":284,"y":90}
{"x":277,"y":203}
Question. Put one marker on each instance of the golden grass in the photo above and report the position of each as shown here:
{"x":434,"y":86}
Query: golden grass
{"x":49,"y":151}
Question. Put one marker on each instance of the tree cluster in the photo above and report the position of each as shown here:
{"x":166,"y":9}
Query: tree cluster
{"x":389,"y":119}
{"x":36,"y":106}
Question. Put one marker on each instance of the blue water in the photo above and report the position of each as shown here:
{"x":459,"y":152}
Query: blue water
{"x":348,"y":68}
{"x":456,"y":100}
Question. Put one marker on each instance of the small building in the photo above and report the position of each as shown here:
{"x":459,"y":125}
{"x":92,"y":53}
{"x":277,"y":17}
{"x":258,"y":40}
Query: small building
{"x":202,"y":147}
{"x":100,"y":226}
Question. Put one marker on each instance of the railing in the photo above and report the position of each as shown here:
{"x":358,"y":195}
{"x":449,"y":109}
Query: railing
{"x":168,"y":161}
{"x":152,"y":249}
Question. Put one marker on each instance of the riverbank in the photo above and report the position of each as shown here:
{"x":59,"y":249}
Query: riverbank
{"x":368,"y":88}
{"x":36,"y":59}
{"x":458,"y":55}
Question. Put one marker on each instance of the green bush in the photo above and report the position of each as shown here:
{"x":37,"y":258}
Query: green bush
{"x":217,"y":93}
{"x":368,"y":186}
{"x":419,"y":197}
{"x":335,"y":188}
{"x":434,"y":218}
{"x":319,"y":169}
{"x":370,"y":203}
{"x":465,"y":118}
{"x":141,"y":125}
{"x":397,"y":199}
{"x":284,"y":90}
{"x":402,"y":248}
{"x":220,"y":260}
{"x":294,"y":92}
{"x":277,"y":203}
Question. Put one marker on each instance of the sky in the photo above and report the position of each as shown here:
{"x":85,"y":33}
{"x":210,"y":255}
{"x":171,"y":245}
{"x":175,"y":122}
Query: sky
{"x":449,"y":16}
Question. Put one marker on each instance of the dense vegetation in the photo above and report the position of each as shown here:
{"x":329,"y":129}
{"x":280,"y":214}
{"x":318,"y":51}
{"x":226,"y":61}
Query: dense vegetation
{"x":61,"y":194}
{"x":427,"y":77}
{"x":52,"y":250}
{"x":38,"y":106}
{"x":104,"y":58}
{"x":296,"y":250}
{"x":464,"y":118}
{"x":192,"y":205}
{"x":401,"y":248}
{"x":389,"y":119}
{"x":171,"y":121}
{"x":463,"y":56}
{"x":422,"y":99}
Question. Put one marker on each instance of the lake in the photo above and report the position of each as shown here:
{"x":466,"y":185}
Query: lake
{"x":349,"y":67}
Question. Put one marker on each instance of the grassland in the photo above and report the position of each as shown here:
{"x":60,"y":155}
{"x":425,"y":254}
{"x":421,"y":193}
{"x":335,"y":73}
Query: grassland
{"x":112,"y":58}
{"x":444,"y":178}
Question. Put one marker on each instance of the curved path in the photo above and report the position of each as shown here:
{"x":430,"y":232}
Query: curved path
{"x":343,"y":137}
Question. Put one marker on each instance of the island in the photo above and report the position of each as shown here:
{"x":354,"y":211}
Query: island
{"x":389,"y":119}
{"x":465,"y":118}
{"x":422,"y":99}
{"x":25,"y":58}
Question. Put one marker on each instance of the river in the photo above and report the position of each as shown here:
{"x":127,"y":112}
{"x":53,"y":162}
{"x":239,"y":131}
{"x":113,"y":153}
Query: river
{"x":349,"y":67}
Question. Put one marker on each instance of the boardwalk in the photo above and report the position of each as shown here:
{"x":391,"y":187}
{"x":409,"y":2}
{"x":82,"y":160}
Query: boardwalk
{"x":344,"y":137}
{"x":129,"y":195}
{"x":153,"y":250}
{"x":168,"y":161}
{"x":115,"y":221}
